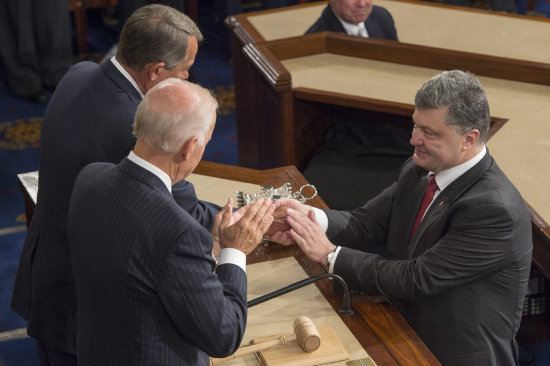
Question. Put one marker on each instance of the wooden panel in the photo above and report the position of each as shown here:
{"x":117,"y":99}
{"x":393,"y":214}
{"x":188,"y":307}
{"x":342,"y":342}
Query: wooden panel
{"x":410,"y":54}
{"x":382,"y":316}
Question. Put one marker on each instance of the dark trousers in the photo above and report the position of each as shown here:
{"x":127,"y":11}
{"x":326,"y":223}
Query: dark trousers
{"x":52,"y":357}
{"x":35,"y":43}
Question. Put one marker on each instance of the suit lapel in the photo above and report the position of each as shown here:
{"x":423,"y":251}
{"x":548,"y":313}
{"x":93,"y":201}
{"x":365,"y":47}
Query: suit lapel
{"x":120,"y":80}
{"x":373,"y":28}
{"x":447,"y":197}
{"x":144,"y":176}
{"x":333,"y":21}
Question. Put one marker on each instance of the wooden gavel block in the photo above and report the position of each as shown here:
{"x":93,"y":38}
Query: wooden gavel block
{"x":305,"y":333}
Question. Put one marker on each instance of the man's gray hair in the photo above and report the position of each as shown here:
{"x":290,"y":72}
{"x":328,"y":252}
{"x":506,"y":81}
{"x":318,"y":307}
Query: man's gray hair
{"x":168,"y":128}
{"x":465,"y":98}
{"x":156,"y":33}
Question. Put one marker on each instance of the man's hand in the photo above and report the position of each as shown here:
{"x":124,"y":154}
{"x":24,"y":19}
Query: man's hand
{"x":244,"y":228}
{"x":279,"y":230}
{"x":236,"y":215}
{"x":309,"y":236}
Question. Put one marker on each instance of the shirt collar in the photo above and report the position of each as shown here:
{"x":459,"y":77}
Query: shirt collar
{"x":351,"y":28}
{"x":446,"y":177}
{"x":126,"y":75}
{"x":153,"y":169}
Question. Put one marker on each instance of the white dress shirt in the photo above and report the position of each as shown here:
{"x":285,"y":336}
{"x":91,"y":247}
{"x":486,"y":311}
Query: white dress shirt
{"x":355,"y":29}
{"x":126,"y":75}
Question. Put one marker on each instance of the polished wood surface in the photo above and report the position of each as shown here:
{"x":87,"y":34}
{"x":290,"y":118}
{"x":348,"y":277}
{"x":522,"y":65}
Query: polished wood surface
{"x":277,"y":123}
{"x":385,"y":335}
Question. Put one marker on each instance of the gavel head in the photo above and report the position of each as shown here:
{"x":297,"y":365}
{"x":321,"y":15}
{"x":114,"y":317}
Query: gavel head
{"x":307,"y":334}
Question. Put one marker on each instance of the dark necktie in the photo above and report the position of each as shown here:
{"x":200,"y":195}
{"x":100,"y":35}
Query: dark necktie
{"x":428,"y":197}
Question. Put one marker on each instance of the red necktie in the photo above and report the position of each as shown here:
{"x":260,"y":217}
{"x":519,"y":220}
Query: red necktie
{"x":428,"y":197}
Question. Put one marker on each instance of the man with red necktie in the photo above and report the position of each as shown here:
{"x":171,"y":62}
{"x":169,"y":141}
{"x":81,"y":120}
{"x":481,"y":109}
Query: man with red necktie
{"x":457,"y":255}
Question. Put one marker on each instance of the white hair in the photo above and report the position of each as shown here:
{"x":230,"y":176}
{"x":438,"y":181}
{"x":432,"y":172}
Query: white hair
{"x":169,"y":119}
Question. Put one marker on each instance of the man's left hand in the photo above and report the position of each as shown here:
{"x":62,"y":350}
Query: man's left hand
{"x":309,"y":236}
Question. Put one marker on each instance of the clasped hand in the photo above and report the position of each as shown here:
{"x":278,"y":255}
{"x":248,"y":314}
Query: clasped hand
{"x":244,"y":228}
{"x":295,"y":222}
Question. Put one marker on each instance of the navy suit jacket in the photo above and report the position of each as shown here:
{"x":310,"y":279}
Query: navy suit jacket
{"x":379,"y":23}
{"x":146,"y":288}
{"x":463,"y":289}
{"x":88,"y":119}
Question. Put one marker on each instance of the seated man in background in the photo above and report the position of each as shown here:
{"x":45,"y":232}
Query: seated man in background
{"x":356,"y":18}
{"x":455,"y":232}
{"x":148,"y":289}
{"x":89,"y":119}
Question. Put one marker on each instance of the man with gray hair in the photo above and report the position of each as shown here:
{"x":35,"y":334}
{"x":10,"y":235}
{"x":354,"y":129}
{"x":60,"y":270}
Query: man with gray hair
{"x":89,"y":119}
{"x":149,"y":291}
{"x":455,"y":233}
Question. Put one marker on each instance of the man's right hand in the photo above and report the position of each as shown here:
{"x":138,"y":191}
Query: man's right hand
{"x":278,"y":232}
{"x":246,"y":232}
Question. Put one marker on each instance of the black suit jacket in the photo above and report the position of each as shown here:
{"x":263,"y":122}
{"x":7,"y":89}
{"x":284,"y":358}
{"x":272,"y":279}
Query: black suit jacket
{"x":88,"y":119}
{"x":379,"y":23}
{"x":463,"y":289}
{"x":144,"y":275}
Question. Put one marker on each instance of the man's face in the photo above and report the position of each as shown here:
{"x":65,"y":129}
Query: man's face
{"x":352,"y":11}
{"x":437,"y":146}
{"x":181,"y":71}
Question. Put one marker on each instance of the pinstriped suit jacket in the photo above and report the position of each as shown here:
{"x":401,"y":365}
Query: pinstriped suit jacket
{"x":147,"y":293}
{"x":88,"y":119}
{"x":379,"y":23}
{"x":463,"y":290}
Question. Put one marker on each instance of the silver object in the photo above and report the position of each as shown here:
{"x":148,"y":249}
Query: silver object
{"x":284,"y":191}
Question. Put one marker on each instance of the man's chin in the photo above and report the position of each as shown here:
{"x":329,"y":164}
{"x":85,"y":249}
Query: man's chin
{"x":420,"y":159}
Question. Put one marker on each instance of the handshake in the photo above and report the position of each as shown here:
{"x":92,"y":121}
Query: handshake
{"x":285,"y":221}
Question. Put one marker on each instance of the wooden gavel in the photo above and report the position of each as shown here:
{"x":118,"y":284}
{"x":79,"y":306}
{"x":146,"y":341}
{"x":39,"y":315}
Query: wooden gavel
{"x":305,"y":333}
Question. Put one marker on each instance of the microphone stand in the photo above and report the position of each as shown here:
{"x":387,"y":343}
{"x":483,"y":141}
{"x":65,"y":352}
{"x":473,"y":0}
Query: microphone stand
{"x":346,"y":306}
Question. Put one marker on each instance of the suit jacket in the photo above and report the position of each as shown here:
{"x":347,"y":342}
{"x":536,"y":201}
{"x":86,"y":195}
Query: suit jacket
{"x":379,"y":23}
{"x":88,"y":119}
{"x":463,"y":289}
{"x":144,"y":275}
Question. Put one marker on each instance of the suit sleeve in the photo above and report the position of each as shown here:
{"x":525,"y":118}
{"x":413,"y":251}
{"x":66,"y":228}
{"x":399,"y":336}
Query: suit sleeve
{"x":365,"y":227}
{"x":203,"y":211}
{"x":208,"y":308}
{"x":477,"y":242}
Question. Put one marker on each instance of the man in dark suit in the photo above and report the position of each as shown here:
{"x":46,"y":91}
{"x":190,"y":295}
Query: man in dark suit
{"x":458,"y":269}
{"x":148,"y":289}
{"x":356,"y":18}
{"x":89,"y":119}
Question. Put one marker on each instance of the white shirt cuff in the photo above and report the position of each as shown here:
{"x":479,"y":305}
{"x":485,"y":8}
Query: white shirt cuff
{"x":233,"y":256}
{"x":331,"y":266}
{"x":321,"y":217}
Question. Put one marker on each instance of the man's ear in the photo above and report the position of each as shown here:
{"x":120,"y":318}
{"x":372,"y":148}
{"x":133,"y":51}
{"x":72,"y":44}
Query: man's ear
{"x":188,"y":147}
{"x":154,"y":70}
{"x":471,"y":138}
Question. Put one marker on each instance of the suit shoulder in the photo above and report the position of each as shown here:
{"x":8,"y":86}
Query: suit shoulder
{"x":380,"y":11}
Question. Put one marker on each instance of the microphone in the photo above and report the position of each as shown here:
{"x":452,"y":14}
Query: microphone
{"x":346,"y":306}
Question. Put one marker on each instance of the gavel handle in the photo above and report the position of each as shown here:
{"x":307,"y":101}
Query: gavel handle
{"x":284,"y":339}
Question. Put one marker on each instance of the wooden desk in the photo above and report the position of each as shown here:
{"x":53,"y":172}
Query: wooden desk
{"x":423,"y":23}
{"x":290,"y":86}
{"x":382,"y":331}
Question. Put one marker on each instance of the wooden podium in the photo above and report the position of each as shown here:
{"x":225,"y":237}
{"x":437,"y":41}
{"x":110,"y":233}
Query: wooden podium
{"x":377,"y":326}
{"x":290,"y":88}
